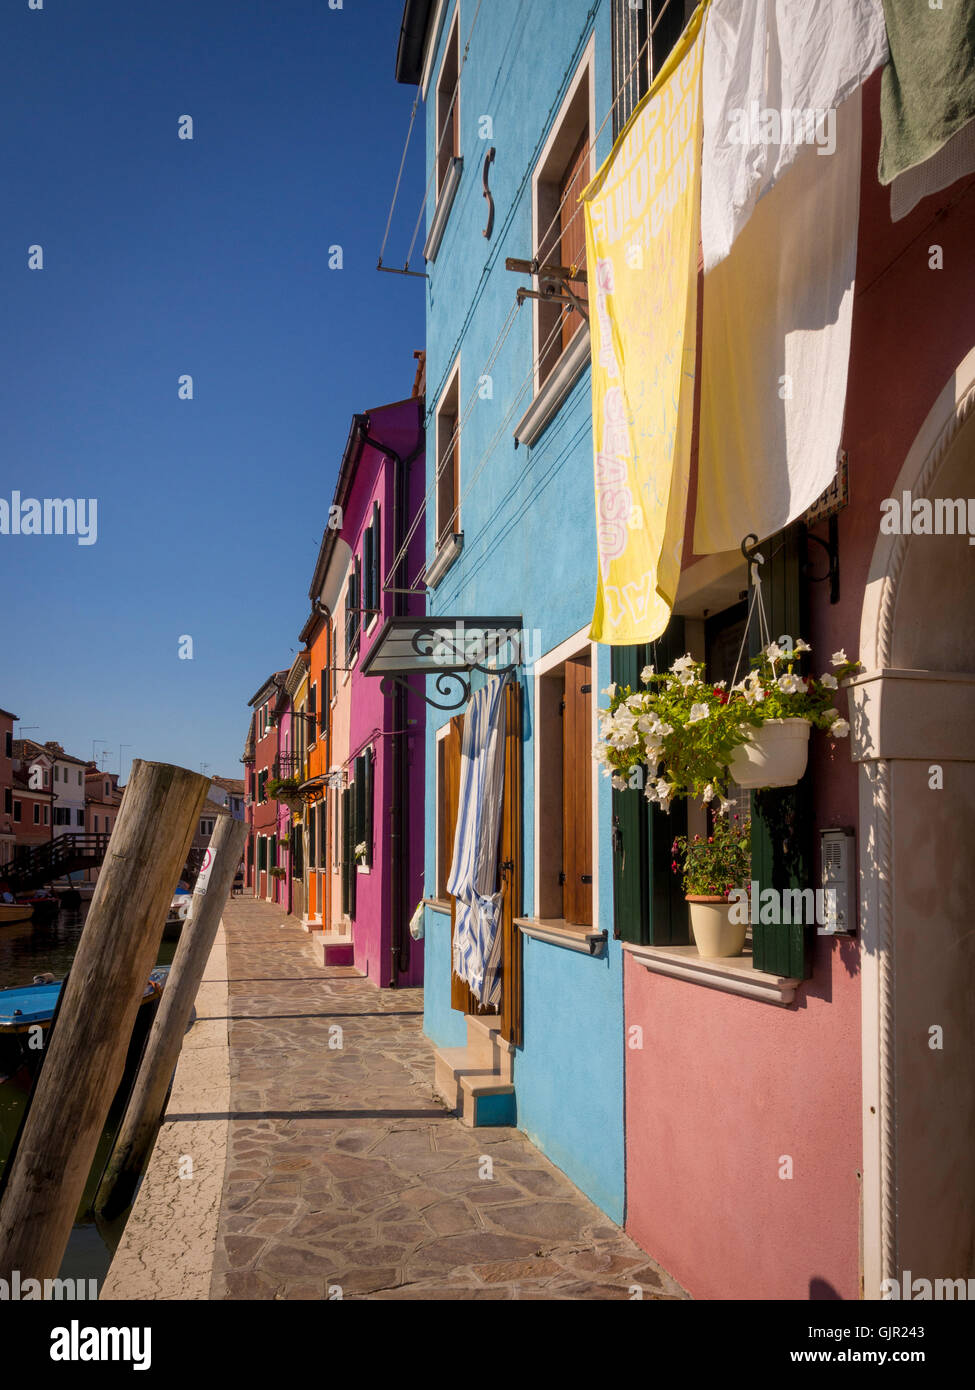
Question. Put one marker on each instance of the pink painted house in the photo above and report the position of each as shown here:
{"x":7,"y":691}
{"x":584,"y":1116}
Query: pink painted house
{"x":375,"y":792}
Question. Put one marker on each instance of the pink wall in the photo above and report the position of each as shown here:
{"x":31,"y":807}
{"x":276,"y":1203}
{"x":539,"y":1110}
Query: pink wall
{"x":721,"y":1089}
{"x":399,"y":427}
{"x":724,"y":1086}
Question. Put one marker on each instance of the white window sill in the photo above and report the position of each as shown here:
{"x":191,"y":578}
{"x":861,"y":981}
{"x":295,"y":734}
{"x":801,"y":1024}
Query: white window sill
{"x":447,"y":552}
{"x":555,"y":932}
{"x":438,"y":223}
{"x":732,"y":974}
{"x":558,"y":384}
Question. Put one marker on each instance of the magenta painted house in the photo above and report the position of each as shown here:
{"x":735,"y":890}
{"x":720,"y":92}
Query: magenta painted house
{"x":379,"y":831}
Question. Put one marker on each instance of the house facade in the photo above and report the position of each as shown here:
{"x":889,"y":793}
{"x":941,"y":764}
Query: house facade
{"x":366,"y":821}
{"x":8,"y":839}
{"x":790,"y":1123}
{"x":264,"y":814}
{"x":103,"y":798}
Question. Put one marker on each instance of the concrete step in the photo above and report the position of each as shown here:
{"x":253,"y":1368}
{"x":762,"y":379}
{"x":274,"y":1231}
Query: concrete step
{"x":331,"y":948}
{"x":486,"y":1045}
{"x":486,"y":1103}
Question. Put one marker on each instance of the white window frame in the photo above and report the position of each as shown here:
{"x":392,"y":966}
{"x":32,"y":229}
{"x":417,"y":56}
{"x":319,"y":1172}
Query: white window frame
{"x":447,"y":551}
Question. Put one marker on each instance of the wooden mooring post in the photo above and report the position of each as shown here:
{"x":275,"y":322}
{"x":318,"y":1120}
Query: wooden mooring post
{"x":86,"y":1060}
{"x":147,"y":1097}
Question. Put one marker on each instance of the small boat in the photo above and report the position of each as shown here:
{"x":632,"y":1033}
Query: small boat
{"x":31,"y":1005}
{"x":178,"y":912}
{"x":46,"y":905}
{"x":15,"y":912}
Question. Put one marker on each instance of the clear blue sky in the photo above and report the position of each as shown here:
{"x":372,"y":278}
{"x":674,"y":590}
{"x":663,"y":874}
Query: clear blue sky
{"x":210,"y":257}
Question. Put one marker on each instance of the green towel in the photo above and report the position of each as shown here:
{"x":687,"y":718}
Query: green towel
{"x":927,"y":90}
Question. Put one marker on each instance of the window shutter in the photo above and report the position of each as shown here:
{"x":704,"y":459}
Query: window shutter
{"x":367,"y":797}
{"x":449,"y":790}
{"x":360,"y":798}
{"x":629,"y":34}
{"x":297,"y":856}
{"x":368,"y":542}
{"x":377,"y":558}
{"x":782,"y":817}
{"x":322,"y":834}
{"x":348,"y":865}
{"x":649,"y":906}
{"x":577,"y":793}
{"x":312,"y":814}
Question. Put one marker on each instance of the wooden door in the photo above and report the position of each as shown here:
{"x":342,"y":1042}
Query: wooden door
{"x":572,"y":228}
{"x":577,"y":793}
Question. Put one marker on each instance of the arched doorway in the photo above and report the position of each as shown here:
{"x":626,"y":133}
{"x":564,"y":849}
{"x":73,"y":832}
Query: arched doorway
{"x":914,"y":738}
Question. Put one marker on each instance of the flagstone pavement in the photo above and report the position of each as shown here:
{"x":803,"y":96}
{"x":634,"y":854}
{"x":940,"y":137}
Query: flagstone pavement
{"x":345,"y":1175}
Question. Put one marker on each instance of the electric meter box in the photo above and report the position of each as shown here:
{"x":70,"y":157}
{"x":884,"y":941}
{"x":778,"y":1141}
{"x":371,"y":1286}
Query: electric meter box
{"x":837,"y":847}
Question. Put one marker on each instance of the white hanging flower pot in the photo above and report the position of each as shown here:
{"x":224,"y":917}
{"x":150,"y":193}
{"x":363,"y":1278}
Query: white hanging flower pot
{"x":774,"y":755}
{"x":715,"y":934}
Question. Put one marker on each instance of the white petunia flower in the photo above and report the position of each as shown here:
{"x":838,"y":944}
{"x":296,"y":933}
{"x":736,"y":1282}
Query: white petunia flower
{"x":774,"y":652}
{"x":830,"y":682}
{"x":802,"y":646}
{"x":839,"y":728}
{"x":619,"y":783}
{"x":726,"y":805}
{"x":698,"y":712}
{"x":708,"y":793}
{"x":646,"y":673}
{"x":791,"y":684}
{"x":839,"y":658}
{"x":610,"y":690}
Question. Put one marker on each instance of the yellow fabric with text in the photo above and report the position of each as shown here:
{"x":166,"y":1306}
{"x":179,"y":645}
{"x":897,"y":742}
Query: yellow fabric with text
{"x":643,"y":213}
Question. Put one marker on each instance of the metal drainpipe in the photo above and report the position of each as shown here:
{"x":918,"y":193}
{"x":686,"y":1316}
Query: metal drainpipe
{"x":400,"y":951}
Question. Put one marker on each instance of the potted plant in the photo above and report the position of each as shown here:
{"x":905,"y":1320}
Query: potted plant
{"x":685,"y":736}
{"x":711,"y":868}
{"x":277,"y":871}
{"x":285,"y":789}
{"x":360,"y":852}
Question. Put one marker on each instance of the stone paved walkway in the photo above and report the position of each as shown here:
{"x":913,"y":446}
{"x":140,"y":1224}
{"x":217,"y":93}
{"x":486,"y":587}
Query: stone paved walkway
{"x":344,"y":1172}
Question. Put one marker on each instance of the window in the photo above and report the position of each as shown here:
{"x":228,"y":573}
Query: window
{"x":108,"y":825}
{"x":79,"y":819}
{"x":37,"y":813}
{"x":323,"y":834}
{"x":206,"y":826}
{"x":566,"y":166}
{"x":353,"y":617}
{"x":324,"y":686}
{"x":261,"y":783}
{"x":448,"y":461}
{"x":55,"y":772}
{"x":564,"y":825}
{"x":79,"y":779}
{"x":261,"y":853}
{"x":95,"y":825}
{"x":47,"y":777}
{"x":312,"y":837}
{"x":108,"y":789}
{"x":363,"y":793}
{"x":633,"y":65}
{"x":371,"y":562}
{"x":62,"y":815}
{"x":297,"y":852}
{"x":8,"y":744}
{"x":448,"y":105}
{"x":8,"y":800}
{"x":47,"y":815}
{"x":17,"y":810}
{"x":312,"y":711}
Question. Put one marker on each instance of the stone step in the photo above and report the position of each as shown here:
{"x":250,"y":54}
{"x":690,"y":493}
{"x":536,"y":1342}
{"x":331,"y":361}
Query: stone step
{"x":485,"y":1102}
{"x":332,"y":948}
{"x":487,"y":1047}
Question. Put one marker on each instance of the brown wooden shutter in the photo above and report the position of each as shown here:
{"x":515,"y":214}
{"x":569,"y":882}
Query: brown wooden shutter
{"x":577,"y":793}
{"x":572,"y":227}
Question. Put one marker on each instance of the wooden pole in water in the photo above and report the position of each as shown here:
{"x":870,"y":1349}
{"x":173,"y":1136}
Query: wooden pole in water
{"x":84,"y":1066}
{"x":138,"y":1129}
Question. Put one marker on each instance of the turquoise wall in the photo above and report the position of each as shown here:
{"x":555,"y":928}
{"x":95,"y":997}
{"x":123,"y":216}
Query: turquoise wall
{"x":529,"y":547}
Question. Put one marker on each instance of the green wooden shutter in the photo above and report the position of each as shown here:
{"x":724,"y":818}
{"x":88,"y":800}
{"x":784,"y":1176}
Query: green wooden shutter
{"x":360,"y":798}
{"x":782,"y":818}
{"x":367,"y":798}
{"x":368,"y":541}
{"x":348,"y":869}
{"x":649,"y":906}
{"x":377,"y":553}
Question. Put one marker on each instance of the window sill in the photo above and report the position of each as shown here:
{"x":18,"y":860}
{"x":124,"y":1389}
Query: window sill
{"x":447,"y":553}
{"x":731,"y":974}
{"x":437,"y":905}
{"x":558,"y":384}
{"x":442,"y":211}
{"x":555,"y":932}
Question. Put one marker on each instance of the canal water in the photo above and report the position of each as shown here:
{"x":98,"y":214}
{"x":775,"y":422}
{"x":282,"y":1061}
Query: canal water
{"x":26,"y":950}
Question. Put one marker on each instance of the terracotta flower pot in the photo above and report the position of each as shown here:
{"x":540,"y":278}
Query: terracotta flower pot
{"x":774,"y":755}
{"x":714,"y":933}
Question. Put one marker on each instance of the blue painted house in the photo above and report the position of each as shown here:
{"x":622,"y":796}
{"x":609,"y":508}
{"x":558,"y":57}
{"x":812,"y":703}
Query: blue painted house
{"x":518,"y":102}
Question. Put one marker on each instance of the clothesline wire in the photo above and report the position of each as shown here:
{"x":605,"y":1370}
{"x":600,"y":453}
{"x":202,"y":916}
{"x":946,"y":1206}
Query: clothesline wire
{"x":399,"y":176}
